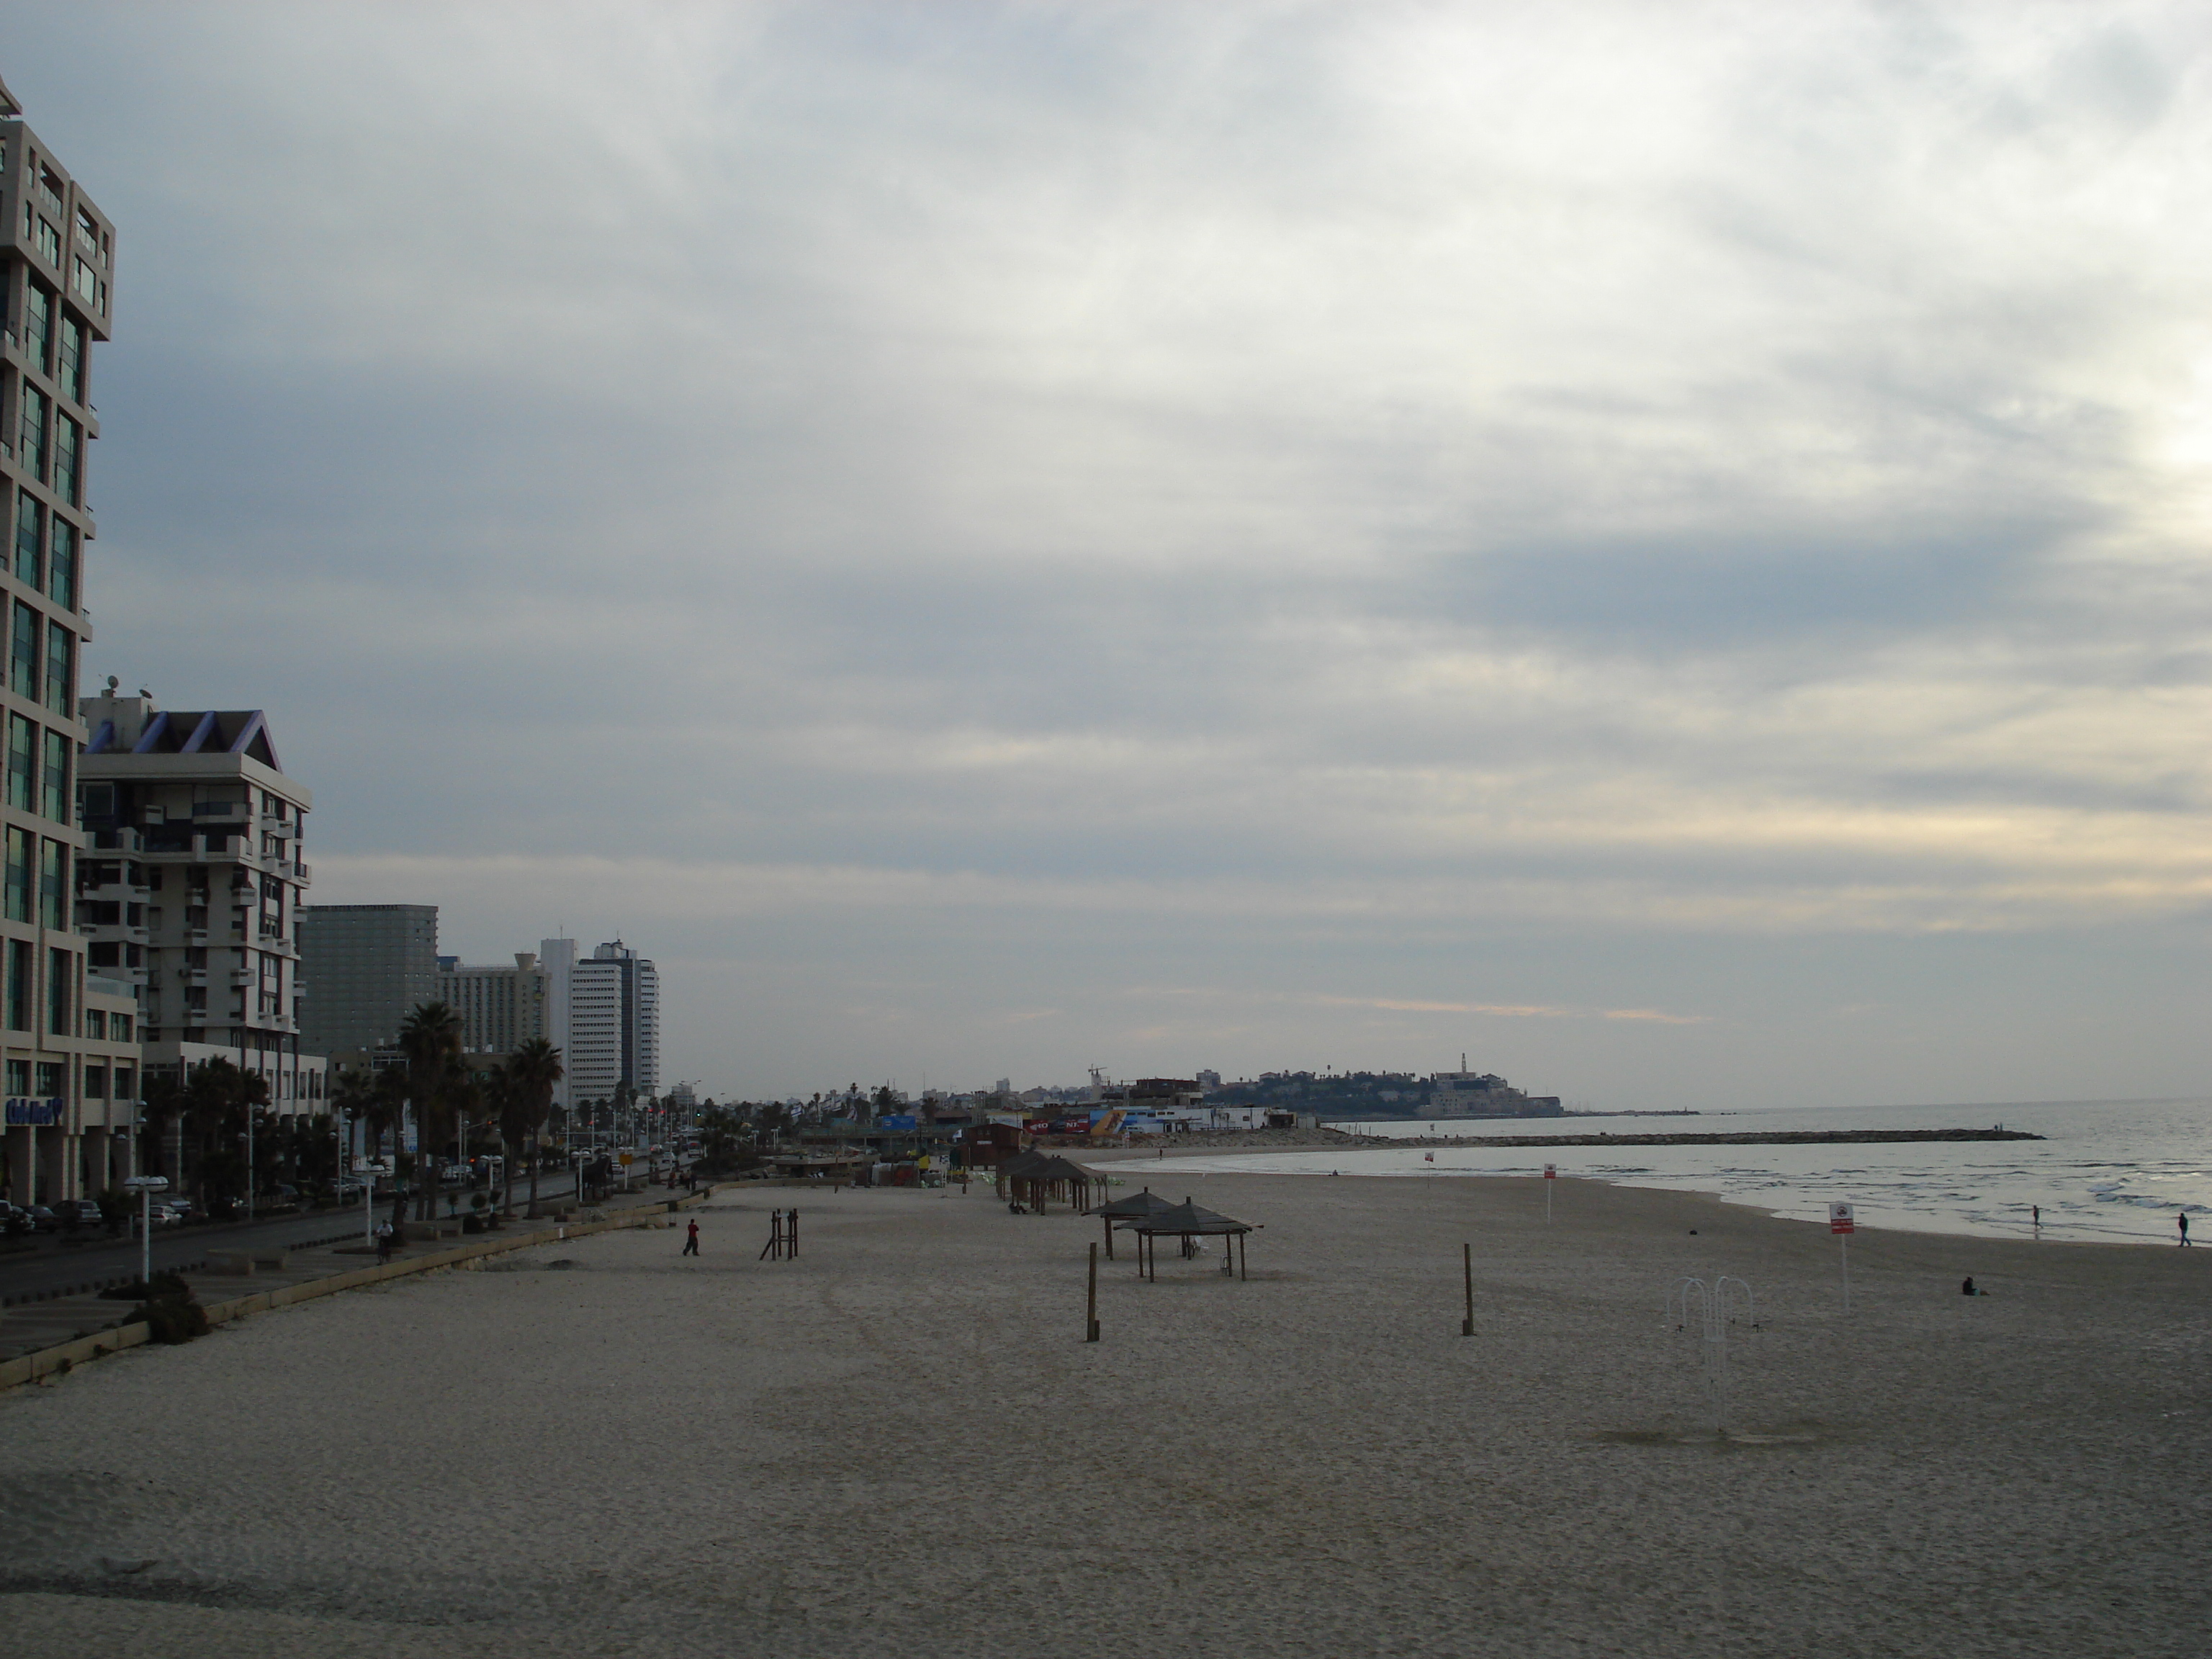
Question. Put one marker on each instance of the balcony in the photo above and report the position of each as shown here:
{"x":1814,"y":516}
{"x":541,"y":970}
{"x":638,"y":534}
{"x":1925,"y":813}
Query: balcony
{"x":193,"y":975}
{"x":241,"y":977}
{"x":273,"y":825}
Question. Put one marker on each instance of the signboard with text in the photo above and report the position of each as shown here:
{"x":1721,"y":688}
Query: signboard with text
{"x":23,"y":1113}
{"x":1840,"y":1219}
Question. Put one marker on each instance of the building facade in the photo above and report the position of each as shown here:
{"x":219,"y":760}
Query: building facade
{"x":370,"y":965}
{"x":193,"y":888}
{"x":501,"y":1007}
{"x":57,"y":257}
{"x":614,"y":1024}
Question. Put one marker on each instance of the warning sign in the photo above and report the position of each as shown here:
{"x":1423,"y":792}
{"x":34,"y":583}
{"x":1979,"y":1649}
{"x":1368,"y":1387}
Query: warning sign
{"x":1840,"y":1219}
{"x":1551,"y":1172}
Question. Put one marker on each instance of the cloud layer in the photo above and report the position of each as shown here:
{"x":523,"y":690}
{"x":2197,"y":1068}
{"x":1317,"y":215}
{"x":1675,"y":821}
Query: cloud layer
{"x":1003,"y":537}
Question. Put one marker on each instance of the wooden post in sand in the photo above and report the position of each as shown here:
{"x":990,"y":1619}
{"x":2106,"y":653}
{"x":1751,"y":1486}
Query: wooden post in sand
{"x":1467,"y":1259}
{"x":1090,"y":1319}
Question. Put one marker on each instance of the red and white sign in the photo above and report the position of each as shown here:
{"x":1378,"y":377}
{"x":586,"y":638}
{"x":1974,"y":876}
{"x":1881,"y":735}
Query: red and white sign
{"x":1840,"y":1219}
{"x":1551,"y":1172}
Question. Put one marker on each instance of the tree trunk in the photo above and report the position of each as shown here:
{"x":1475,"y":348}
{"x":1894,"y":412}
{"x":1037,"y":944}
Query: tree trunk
{"x":536,"y":1157}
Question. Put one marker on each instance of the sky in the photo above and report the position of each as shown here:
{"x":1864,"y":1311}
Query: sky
{"x":1662,"y":549}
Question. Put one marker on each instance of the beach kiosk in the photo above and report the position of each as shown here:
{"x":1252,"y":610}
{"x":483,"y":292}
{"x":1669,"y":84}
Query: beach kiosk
{"x":1188,"y":1221}
{"x":1134,"y":1207}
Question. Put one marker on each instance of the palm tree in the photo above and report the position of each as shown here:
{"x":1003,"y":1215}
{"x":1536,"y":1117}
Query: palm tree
{"x":526,"y":1098}
{"x":350,"y":1095}
{"x":430,"y":1037}
{"x":160,"y":1110}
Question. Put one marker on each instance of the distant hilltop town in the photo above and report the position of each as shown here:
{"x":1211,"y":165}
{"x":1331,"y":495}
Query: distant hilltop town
{"x":1346,"y":1095}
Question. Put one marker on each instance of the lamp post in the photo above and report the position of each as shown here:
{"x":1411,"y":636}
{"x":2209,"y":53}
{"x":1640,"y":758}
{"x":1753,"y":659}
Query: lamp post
{"x":146,"y":1187}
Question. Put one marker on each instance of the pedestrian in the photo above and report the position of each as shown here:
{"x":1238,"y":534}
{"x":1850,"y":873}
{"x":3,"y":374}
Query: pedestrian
{"x":383,"y":1242}
{"x":2036,"y":1210}
{"x":2183,"y":1219}
{"x":691,"y":1240}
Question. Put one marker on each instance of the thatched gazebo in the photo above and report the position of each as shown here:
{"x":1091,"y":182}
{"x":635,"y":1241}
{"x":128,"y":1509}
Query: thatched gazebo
{"x":1007,"y":1172}
{"x":1134,"y":1207}
{"x":1187,"y":1221}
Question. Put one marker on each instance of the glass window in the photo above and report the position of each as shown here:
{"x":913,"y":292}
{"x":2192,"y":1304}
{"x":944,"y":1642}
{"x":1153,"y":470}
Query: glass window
{"x":61,"y":669}
{"x":126,"y":1080}
{"x":95,"y":1081}
{"x":19,"y":1006}
{"x":69,"y":444}
{"x":121,"y":1033}
{"x":53,"y":882}
{"x":50,"y":243}
{"x":50,"y":188}
{"x":19,"y":1071}
{"x":27,"y":538}
{"x":22,"y":762}
{"x":88,"y":231}
{"x":37,"y":322}
{"x":18,"y":885}
{"x":86,"y":283}
{"x":31,"y":431}
{"x":61,"y":565}
{"x":54,"y":794}
{"x":95,"y":1022}
{"x":72,"y":370}
{"x":23,"y":654}
{"x":53,"y":1074}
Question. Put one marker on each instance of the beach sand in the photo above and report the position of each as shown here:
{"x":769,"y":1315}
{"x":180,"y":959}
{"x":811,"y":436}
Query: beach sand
{"x":900,"y":1444}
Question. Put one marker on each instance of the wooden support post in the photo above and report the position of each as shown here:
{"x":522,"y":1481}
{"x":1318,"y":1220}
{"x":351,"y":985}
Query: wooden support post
{"x":1090,"y":1319}
{"x":1108,"y":1220}
{"x":1467,"y":1260}
{"x":792,"y":1234}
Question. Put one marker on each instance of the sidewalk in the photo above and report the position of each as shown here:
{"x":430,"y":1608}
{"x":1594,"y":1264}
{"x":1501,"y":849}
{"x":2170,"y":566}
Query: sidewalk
{"x":58,"y":1330}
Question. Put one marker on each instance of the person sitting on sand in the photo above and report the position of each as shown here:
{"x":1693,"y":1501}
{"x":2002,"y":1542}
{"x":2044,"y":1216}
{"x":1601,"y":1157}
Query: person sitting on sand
{"x":1968,"y":1289}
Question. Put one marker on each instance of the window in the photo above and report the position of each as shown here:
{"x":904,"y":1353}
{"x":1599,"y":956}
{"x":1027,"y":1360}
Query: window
{"x":95,"y":1022}
{"x":53,"y":883}
{"x":126,"y":1077}
{"x":119,"y":1029}
{"x":61,"y":565}
{"x":53,"y":1078}
{"x":86,"y":283}
{"x":31,"y":431}
{"x":38,"y":323}
{"x":23,"y":760}
{"x":19,"y":1006}
{"x":23,"y":654}
{"x":17,"y":886}
{"x":54,"y":799}
{"x":95,"y":1080}
{"x":61,"y":984}
{"x":88,"y":231}
{"x":61,"y":669}
{"x":72,"y":373}
{"x":27,"y":539}
{"x":104,"y":956}
{"x":19,"y":1075}
{"x":50,"y":188}
{"x":69,"y":444}
{"x":50,"y":245}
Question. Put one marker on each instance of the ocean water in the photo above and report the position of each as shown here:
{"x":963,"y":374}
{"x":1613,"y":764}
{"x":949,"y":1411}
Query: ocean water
{"x":2118,"y":1171}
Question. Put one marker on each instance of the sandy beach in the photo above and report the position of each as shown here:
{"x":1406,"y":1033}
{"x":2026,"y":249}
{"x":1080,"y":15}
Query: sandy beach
{"x":900,"y":1444}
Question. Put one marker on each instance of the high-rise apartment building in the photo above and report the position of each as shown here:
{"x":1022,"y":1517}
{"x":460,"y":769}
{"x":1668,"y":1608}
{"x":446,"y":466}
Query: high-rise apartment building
{"x":614,"y":1024}
{"x":502,"y":1007}
{"x":57,"y":256}
{"x":191,"y":889}
{"x":368,"y":966}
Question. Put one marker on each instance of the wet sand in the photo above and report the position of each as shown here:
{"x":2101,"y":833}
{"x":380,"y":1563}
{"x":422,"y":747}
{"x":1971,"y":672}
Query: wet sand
{"x":900,"y":1444}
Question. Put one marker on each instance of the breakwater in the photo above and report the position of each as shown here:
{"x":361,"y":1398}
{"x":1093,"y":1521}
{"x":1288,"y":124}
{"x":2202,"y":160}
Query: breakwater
{"x":1747,"y":1138}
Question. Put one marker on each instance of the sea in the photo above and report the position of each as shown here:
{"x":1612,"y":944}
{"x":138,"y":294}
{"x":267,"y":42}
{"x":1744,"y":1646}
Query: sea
{"x":2118,"y":1171}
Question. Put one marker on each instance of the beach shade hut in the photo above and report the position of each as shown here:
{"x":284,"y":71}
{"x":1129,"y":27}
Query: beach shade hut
{"x":1187,"y":1221}
{"x":1008,"y":1170}
{"x":1134,"y":1207}
{"x":1050,"y":1178}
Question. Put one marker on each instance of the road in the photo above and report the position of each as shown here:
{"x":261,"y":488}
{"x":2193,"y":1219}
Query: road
{"x":56,"y":1266}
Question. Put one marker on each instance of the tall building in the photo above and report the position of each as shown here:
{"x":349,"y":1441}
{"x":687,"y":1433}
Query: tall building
{"x":191,"y":889}
{"x":502,"y":1007}
{"x":557,"y":957}
{"x":56,"y":254}
{"x":368,"y":965}
{"x":614,"y":1024}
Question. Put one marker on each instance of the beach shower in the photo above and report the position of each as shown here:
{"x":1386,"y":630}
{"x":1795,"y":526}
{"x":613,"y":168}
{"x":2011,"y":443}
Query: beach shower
{"x":1694,"y":1303}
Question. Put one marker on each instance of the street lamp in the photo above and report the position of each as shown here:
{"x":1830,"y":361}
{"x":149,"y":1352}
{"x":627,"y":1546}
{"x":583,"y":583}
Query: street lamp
{"x":146,"y":1187}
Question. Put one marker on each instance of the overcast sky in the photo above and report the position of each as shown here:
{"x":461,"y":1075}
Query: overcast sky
{"x":1664,"y":548}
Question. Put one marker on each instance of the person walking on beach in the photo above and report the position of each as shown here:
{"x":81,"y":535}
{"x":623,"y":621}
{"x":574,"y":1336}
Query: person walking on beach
{"x":2182,"y":1221}
{"x":691,"y":1240}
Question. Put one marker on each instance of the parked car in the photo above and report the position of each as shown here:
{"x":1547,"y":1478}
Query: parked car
{"x":13,"y":1223}
{"x":44,"y":1219}
{"x":78,"y":1213}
